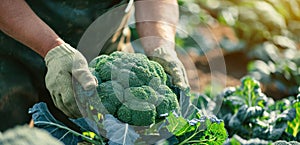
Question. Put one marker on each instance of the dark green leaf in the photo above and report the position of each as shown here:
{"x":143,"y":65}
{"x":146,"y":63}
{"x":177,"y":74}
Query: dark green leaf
{"x":187,"y":109}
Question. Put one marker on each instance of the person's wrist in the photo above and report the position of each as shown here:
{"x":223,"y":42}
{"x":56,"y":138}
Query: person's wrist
{"x":52,"y":45}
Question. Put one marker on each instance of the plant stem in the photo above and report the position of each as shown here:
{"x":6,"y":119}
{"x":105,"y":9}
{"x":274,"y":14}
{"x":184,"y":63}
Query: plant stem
{"x":71,"y":131}
{"x":186,"y":140}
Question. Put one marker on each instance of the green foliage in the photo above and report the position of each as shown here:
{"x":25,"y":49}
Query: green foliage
{"x":118,"y":132}
{"x":200,"y":130}
{"x":256,"y":21}
{"x":294,"y":125}
{"x":250,"y":114}
{"x":249,"y":93}
{"x":132,"y":88}
{"x":267,"y":31}
{"x":177,"y":125}
{"x":280,"y":71}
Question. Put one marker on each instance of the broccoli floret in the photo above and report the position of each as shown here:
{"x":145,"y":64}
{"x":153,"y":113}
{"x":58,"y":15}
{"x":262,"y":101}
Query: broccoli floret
{"x":97,"y":60}
{"x":103,"y":67}
{"x":137,"y":113}
{"x":167,"y":100}
{"x":133,"y":88}
{"x":128,"y":69}
{"x":111,"y":95}
{"x":96,"y":74}
{"x":144,"y":93}
{"x":159,"y":71}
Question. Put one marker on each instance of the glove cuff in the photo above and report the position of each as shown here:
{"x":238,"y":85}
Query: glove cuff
{"x":58,"y":51}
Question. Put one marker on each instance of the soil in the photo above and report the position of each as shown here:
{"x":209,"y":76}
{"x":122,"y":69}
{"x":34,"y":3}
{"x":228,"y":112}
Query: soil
{"x":202,"y":69}
{"x":235,"y":69}
{"x":228,"y":68}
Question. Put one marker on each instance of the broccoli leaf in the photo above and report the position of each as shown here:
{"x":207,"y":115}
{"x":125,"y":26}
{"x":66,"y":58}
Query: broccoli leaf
{"x":249,"y":113}
{"x":43,"y":119}
{"x":177,"y":125}
{"x":200,"y":130}
{"x":118,"y":132}
{"x":249,"y":93}
{"x":294,"y":125}
{"x":187,"y":109}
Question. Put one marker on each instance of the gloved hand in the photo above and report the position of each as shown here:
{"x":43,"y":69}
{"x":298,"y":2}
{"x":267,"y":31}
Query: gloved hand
{"x":172,"y":65}
{"x":63,"y":62}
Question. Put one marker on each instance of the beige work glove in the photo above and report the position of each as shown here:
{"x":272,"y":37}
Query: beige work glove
{"x":63,"y":62}
{"x":168,"y":59}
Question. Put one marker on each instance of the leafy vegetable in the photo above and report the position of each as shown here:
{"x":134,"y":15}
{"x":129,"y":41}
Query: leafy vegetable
{"x":294,"y":125}
{"x":187,"y":108}
{"x":199,"y":130}
{"x":249,"y":113}
{"x":133,"y":88}
{"x":249,"y":93}
{"x":177,"y":125}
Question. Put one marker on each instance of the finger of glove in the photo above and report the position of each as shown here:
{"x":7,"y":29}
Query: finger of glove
{"x":82,"y":74}
{"x":179,"y":78}
{"x":59,"y":86}
{"x":172,"y":65}
{"x":65,"y":96}
{"x":51,"y":85}
{"x":176,"y":70}
{"x":178,"y":73}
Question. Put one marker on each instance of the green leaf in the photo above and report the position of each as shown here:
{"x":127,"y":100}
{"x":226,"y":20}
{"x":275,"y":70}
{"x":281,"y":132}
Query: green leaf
{"x":200,"y":130}
{"x":249,"y":93}
{"x":294,"y":125}
{"x":177,"y":125}
{"x":187,"y":109}
{"x":118,"y":132}
{"x":216,"y":133}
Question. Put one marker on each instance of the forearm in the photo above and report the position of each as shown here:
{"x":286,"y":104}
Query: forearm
{"x":21,"y":23}
{"x":156,"y":23}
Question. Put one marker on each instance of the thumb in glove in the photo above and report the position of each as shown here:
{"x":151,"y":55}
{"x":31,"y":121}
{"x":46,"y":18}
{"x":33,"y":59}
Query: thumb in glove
{"x":172,"y":65}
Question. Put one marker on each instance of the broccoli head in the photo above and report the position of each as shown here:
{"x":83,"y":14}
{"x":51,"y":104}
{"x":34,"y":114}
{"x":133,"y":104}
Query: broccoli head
{"x":133,"y":88}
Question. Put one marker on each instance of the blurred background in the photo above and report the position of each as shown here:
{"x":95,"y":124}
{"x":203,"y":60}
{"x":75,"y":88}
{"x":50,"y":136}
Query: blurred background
{"x":259,"y":38}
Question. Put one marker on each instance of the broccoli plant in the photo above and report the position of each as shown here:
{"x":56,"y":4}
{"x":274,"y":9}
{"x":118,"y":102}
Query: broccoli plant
{"x":249,"y":113}
{"x":133,"y":88}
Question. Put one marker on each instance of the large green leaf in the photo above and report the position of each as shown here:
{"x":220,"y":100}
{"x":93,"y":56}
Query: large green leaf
{"x":119,"y":133}
{"x":177,"y":125}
